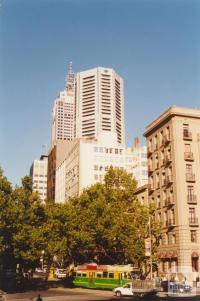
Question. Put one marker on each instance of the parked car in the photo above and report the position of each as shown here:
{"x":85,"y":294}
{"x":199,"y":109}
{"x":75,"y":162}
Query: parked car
{"x":60,"y":273}
{"x":179,"y":288}
{"x":125,"y":290}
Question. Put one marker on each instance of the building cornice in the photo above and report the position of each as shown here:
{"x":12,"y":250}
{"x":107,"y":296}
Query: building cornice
{"x":168,"y":114}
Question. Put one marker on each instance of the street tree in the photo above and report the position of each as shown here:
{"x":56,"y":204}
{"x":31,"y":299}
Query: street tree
{"x":110,"y":225}
{"x":29,"y":212}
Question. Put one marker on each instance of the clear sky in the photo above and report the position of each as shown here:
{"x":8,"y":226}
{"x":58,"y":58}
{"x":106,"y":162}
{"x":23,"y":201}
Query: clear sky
{"x":153,"y":44}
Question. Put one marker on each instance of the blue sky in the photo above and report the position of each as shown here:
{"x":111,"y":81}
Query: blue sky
{"x":153,"y":44}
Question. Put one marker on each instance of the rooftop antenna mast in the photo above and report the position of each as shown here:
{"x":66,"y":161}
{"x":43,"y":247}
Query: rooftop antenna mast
{"x":70,"y":79}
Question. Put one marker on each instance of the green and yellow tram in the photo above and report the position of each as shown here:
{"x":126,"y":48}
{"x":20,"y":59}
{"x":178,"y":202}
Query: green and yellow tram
{"x":102,"y":276}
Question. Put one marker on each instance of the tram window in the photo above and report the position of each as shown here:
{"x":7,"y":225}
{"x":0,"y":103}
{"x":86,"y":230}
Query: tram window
{"x":125,"y":275}
{"x":105,"y":274}
{"x":99,"y":275}
{"x":111,"y":275}
{"x":84,"y":275}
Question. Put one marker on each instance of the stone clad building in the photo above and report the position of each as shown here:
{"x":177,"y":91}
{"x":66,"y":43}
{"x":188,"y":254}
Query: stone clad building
{"x":173,"y":149}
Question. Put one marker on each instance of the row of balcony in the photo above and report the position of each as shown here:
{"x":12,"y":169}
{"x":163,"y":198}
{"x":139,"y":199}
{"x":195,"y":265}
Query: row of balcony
{"x":164,"y":142}
{"x":191,"y":199}
{"x":188,"y":156}
{"x":169,"y":201}
{"x":193,"y":221}
{"x":170,"y":222}
{"x":167,"y":159}
{"x":190,"y":177}
{"x":166,"y":139}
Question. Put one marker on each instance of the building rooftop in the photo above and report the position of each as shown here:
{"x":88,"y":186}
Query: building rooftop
{"x":169,"y":113}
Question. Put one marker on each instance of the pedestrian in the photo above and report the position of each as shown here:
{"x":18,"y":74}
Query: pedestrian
{"x":39,"y":298}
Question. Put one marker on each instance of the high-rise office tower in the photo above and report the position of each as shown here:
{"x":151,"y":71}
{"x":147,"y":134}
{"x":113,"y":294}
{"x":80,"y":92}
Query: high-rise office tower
{"x":63,"y":111}
{"x":99,"y":104}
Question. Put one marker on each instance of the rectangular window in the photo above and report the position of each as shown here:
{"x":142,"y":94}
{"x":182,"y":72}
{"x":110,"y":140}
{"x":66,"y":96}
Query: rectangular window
{"x":173,"y":238}
{"x":161,"y":137}
{"x":168,"y":132}
{"x":193,"y":235}
{"x":190,"y":190}
{"x":185,"y":127}
{"x":105,"y":274}
{"x":186,"y":133}
{"x":99,"y":275}
{"x":189,"y":168}
{"x":195,"y":264}
{"x":192,"y":213}
{"x":187,"y":148}
{"x":111,"y":275}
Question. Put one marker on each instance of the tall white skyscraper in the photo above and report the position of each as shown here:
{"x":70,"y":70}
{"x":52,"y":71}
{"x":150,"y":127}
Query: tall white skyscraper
{"x":63,"y":111}
{"x":99,"y":104}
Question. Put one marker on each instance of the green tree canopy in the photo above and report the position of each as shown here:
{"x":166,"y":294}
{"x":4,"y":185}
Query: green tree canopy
{"x":110,"y":225}
{"x":106,"y":224}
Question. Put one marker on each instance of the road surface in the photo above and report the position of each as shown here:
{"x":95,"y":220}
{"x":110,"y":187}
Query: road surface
{"x":78,"y":294}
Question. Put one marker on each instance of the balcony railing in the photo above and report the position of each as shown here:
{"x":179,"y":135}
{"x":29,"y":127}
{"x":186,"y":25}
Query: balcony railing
{"x":167,"y":159}
{"x":188,"y":156}
{"x":150,"y":188}
{"x":168,"y":180}
{"x":193,"y":221}
{"x":170,"y":222}
{"x":169,"y":201}
{"x":149,"y":150}
{"x":157,"y":185}
{"x":166,"y":139}
{"x":150,"y":169}
{"x":192,"y":199}
{"x":190,"y":177}
{"x":187,"y":135}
